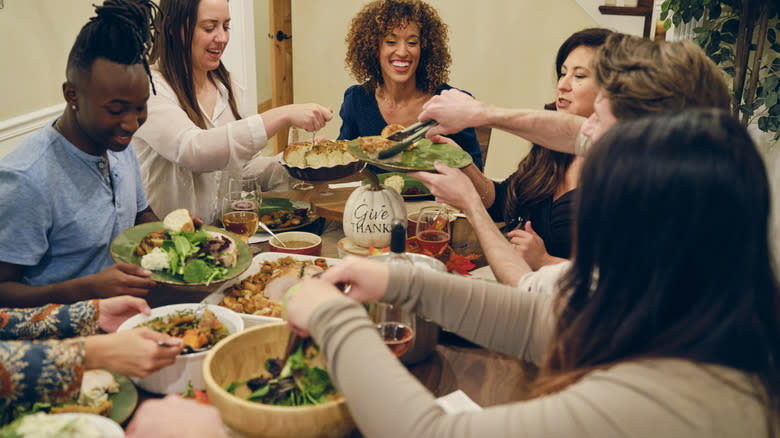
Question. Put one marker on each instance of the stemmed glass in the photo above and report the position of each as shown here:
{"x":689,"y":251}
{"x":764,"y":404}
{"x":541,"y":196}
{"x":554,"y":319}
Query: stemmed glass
{"x":240,"y":214}
{"x":433,"y":229}
{"x":395,"y":327}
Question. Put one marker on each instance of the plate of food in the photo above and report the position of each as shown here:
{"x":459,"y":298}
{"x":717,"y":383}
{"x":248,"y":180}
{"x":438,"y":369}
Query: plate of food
{"x":408,"y":187}
{"x":257,"y":294}
{"x":281,"y":214}
{"x":420,"y":156}
{"x":102,"y":393}
{"x":182,"y":256}
{"x":324,"y":161}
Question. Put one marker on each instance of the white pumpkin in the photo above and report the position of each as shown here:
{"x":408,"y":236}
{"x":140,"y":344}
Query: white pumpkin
{"x":369,"y":214}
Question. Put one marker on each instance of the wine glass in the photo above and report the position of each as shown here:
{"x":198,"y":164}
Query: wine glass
{"x":433,"y":229}
{"x":297,"y":135}
{"x":395,"y":327}
{"x":240,"y":214}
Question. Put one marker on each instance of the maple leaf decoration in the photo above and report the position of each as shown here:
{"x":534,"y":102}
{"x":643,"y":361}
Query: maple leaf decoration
{"x":461,"y":263}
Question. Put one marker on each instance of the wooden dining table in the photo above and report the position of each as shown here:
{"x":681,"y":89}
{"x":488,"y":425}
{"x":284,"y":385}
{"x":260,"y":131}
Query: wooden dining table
{"x":487,"y":377}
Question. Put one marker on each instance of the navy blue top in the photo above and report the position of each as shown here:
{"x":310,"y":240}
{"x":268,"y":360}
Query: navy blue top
{"x":361,"y":117}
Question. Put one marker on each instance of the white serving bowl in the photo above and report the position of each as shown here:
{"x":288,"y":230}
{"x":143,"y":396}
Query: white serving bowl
{"x":188,"y":368}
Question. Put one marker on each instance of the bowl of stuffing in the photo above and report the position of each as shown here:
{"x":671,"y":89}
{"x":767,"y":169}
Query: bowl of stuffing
{"x":201,"y":327}
{"x":259,"y":394}
{"x":325,"y":161}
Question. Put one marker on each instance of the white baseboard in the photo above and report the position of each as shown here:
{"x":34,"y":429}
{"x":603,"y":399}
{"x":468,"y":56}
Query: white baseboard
{"x":13,"y":131}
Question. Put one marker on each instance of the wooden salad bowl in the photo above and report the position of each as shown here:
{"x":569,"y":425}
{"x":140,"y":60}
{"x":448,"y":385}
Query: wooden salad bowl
{"x":242,"y":356}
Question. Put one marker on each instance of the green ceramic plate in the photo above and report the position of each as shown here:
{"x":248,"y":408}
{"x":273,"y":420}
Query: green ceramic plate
{"x":123,"y":250}
{"x":419,"y":158}
{"x":270,"y":205}
{"x":123,"y":404}
{"x":124,"y":401}
{"x":414,"y":184}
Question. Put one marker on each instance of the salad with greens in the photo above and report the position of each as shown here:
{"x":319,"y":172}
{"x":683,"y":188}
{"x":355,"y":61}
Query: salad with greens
{"x":292,"y":383}
{"x":192,"y":257}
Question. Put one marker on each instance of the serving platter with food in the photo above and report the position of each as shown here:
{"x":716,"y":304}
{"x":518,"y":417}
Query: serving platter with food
{"x":181,"y":256}
{"x":281,"y":214}
{"x":257,"y":294}
{"x":323,"y":161}
{"x":420,"y":156}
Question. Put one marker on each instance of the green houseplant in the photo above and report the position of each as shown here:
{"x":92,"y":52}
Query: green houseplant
{"x":743,"y":38}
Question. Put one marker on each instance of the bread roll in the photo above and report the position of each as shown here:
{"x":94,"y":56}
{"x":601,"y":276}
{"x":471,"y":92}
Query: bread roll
{"x":179,"y":220}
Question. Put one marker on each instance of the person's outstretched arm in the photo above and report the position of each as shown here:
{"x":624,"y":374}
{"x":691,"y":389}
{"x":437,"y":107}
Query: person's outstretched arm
{"x":455,"y":110}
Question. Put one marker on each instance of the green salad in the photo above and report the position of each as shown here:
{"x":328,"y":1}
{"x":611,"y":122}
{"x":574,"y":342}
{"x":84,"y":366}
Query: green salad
{"x":198,"y":257}
{"x":293,"y":383}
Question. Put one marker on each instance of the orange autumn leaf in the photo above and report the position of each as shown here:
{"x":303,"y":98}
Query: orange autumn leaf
{"x":461,"y":263}
{"x":374,"y":251}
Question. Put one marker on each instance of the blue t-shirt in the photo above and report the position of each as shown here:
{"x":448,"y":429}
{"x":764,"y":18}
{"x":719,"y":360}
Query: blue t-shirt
{"x":360,"y":117}
{"x":59,"y":213}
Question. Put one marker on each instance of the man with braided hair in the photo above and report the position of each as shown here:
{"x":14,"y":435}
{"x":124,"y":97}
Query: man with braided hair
{"x":72,"y":186}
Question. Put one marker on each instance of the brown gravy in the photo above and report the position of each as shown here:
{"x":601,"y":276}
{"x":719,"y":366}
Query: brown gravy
{"x":294,"y":244}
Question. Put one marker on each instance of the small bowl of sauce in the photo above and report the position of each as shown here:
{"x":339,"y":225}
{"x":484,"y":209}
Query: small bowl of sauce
{"x":297,"y":242}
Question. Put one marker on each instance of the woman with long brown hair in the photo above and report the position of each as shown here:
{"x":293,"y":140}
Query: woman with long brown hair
{"x":667,"y":331}
{"x":537,"y":198}
{"x":198,"y":124}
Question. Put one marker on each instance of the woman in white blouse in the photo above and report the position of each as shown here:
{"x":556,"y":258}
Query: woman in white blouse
{"x":197,"y":124}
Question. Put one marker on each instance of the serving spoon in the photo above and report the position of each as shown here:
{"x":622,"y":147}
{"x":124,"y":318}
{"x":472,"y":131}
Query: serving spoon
{"x":268,"y":230}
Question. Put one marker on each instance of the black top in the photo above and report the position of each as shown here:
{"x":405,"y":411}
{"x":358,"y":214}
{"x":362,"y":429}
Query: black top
{"x":360,"y":117}
{"x":551,"y":219}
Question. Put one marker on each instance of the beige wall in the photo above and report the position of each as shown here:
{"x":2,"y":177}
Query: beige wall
{"x":36,"y":36}
{"x":503,"y":52}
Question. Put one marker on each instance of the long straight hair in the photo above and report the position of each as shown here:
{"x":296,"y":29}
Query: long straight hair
{"x":540,"y":173}
{"x":672,"y":255}
{"x":172,"y":51}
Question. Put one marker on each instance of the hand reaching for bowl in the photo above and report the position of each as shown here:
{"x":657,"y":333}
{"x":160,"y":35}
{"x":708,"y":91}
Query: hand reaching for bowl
{"x":133,"y":352}
{"x":114,"y":311}
{"x":368,"y":281}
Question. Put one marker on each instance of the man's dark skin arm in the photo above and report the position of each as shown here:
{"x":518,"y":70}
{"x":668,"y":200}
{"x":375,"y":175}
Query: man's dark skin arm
{"x":146,"y":215}
{"x":118,"y":279}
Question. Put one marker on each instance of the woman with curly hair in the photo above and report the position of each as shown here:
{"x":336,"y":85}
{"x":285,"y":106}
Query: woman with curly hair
{"x":397,"y":50}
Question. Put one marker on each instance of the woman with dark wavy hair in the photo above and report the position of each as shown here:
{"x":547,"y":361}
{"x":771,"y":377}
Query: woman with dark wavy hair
{"x":664,"y":324}
{"x":397,"y":50}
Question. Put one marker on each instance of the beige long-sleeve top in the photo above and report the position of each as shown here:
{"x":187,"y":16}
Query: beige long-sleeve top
{"x":659,"y":398}
{"x":180,"y":162}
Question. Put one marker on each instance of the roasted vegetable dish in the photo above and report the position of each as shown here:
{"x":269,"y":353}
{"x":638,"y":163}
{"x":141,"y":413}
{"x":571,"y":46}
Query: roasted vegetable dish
{"x":285,"y":218}
{"x":197,"y":332}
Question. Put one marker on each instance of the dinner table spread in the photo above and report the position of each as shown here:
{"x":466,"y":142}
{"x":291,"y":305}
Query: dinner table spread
{"x":486,"y":377}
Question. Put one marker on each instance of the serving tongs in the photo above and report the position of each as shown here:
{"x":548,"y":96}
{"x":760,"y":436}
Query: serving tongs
{"x":406,"y":137}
